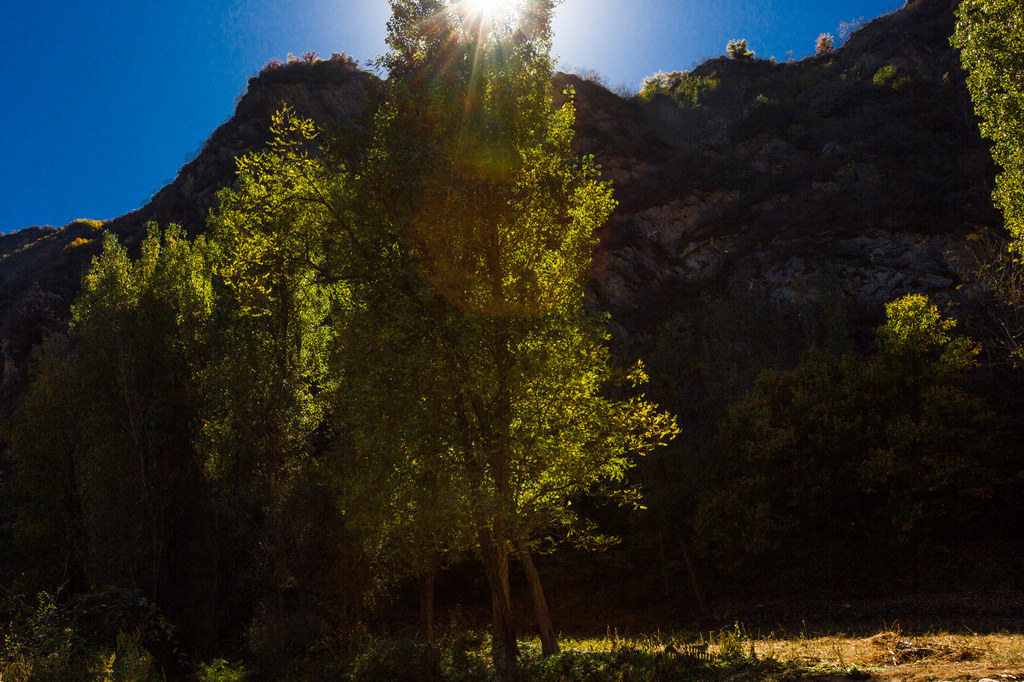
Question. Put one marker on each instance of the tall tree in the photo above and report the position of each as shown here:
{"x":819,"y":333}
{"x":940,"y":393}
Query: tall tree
{"x":990,"y":36}
{"x":48,"y":530}
{"x":119,"y":403}
{"x":268,"y":235}
{"x":488,"y":218}
{"x":474,"y":396}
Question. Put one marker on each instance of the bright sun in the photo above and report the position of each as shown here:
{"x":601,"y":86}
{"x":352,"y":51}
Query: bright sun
{"x":490,"y":10}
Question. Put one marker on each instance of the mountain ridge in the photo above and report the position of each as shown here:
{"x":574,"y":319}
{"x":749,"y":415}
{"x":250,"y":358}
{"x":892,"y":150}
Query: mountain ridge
{"x":859,"y":171}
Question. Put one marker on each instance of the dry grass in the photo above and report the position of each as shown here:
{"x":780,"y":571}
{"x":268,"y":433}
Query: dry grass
{"x":890,"y":655}
{"x":894,"y":655}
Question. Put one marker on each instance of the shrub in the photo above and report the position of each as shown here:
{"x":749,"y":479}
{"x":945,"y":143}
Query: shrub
{"x":310,"y":56}
{"x":78,"y":242}
{"x":81,"y":640}
{"x":590,"y":75}
{"x":824,"y":45}
{"x":737,"y":49}
{"x":732,"y":644}
{"x":221,"y":671}
{"x":888,"y":77}
{"x":895,"y":443}
{"x":654,"y":85}
{"x":271,"y":65}
{"x":346,"y":59}
{"x":625,"y":90}
{"x":686,"y":89}
{"x":93,"y":225}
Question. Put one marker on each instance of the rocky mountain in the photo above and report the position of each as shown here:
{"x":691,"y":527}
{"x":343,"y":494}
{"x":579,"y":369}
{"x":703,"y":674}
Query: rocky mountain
{"x":858,"y":172}
{"x":861,"y":169}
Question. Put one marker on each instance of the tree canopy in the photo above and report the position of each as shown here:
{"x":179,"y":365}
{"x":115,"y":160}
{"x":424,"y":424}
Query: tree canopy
{"x":990,"y":36}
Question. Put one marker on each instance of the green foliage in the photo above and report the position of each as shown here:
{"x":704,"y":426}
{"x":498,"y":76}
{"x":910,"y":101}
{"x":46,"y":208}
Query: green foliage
{"x":990,"y":36}
{"x":431,"y":296}
{"x":48,"y":531}
{"x":732,"y":643}
{"x":104,"y":636}
{"x":888,"y":77}
{"x":686,"y":89}
{"x":858,"y":453}
{"x":606,"y":660}
{"x":269,"y":234}
{"x":141,"y":331}
{"x":397,"y":660}
{"x":396,"y":354}
{"x":737,"y":49}
{"x":220,"y":670}
{"x":915,"y":331}
{"x":114,"y":456}
{"x":884,"y":76}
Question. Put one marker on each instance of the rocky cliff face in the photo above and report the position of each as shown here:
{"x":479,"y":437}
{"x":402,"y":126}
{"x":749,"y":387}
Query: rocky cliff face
{"x":859,"y":172}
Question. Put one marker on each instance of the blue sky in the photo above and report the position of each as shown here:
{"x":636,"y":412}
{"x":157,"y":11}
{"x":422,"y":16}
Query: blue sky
{"x":105,"y":100}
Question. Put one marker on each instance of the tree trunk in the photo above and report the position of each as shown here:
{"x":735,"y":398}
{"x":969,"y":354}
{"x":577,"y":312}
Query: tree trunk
{"x":548,"y":639}
{"x":427,"y":603}
{"x":504,"y":649}
{"x":691,"y":570}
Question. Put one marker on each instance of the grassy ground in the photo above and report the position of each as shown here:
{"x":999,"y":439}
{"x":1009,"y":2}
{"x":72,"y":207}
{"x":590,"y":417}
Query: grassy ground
{"x":941,"y":639}
{"x":894,"y":655}
{"x":934,"y":638}
{"x":886,"y":656}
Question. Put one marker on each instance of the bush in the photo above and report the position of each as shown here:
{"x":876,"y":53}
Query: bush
{"x":81,"y":640}
{"x":843,"y":459}
{"x":79,"y":242}
{"x":737,"y":49}
{"x":824,"y":45}
{"x":221,"y":671}
{"x":686,"y":89}
{"x":848,"y":28}
{"x":346,"y":59}
{"x":888,"y":77}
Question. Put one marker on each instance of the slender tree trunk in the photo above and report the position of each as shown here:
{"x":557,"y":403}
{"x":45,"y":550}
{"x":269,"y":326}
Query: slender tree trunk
{"x":504,"y":649}
{"x":427,"y":603}
{"x":548,"y":639}
{"x":691,"y":570}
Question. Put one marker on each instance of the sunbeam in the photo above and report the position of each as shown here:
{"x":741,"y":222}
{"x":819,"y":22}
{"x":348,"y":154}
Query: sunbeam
{"x":489,"y":13}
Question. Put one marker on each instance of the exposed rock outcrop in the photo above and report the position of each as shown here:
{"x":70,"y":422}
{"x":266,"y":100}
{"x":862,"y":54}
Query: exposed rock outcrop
{"x":790,"y":178}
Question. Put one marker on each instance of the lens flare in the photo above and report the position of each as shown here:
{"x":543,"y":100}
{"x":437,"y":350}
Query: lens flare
{"x":490,"y":11}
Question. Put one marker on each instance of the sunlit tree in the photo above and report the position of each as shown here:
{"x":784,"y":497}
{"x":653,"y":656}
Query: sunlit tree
{"x":473,"y":391}
{"x":990,"y":35}
{"x":492,"y":217}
